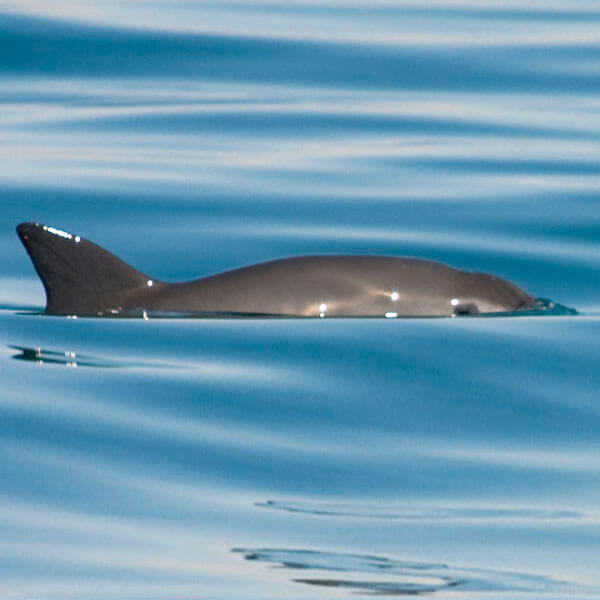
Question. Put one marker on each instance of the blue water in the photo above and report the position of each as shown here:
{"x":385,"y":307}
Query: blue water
{"x":314,"y":459}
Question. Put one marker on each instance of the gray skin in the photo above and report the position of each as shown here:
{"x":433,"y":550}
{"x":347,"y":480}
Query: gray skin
{"x":81,"y":278}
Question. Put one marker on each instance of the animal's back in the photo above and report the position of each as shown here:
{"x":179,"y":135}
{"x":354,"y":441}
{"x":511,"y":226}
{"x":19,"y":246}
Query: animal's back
{"x":82,"y":278}
{"x":324,"y":286}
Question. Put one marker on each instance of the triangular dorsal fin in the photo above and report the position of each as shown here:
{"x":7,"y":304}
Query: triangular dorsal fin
{"x":80,"y":277}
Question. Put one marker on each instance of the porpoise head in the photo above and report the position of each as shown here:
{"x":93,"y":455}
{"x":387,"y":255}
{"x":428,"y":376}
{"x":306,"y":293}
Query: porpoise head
{"x":482,"y":293}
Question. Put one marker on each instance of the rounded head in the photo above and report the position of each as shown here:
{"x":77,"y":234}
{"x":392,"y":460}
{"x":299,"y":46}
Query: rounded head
{"x":481,"y":293}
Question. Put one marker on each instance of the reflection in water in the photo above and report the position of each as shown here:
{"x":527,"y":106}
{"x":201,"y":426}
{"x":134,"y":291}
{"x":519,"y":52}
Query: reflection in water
{"x":383,"y":588}
{"x":68,"y":359}
{"x":410,"y":513}
{"x":542,"y":308}
{"x":384,"y":576}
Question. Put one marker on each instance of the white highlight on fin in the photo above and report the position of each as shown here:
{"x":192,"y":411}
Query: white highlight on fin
{"x":59,"y":232}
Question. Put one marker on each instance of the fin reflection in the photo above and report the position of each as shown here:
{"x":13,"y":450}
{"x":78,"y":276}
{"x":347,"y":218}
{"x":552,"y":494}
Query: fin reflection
{"x":68,"y":359}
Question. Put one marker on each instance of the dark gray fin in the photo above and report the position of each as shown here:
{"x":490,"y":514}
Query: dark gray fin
{"x":80,"y":278}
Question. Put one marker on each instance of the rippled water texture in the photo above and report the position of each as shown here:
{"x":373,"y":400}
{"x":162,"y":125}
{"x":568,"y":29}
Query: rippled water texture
{"x":281,"y":458}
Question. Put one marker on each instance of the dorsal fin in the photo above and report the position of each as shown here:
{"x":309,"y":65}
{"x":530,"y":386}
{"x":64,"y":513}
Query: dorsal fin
{"x":80,"y":277}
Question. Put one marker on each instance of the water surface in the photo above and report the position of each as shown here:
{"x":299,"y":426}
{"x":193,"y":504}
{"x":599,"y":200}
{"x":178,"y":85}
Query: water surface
{"x":233,"y":458}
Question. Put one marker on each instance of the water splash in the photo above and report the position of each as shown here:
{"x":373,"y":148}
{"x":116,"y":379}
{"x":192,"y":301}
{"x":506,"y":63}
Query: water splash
{"x":542,"y":307}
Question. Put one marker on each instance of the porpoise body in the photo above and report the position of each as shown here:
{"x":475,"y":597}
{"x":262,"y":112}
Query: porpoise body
{"x":83,"y":279}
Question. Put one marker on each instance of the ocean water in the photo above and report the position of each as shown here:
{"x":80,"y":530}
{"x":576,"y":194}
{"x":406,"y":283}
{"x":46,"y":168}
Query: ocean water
{"x":302,"y":459}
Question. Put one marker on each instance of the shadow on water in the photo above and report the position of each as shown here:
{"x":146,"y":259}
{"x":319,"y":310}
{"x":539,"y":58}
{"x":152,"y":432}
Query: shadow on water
{"x":377,"y":575}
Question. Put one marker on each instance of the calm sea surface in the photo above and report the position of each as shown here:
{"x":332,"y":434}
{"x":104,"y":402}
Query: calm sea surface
{"x":180,"y":459}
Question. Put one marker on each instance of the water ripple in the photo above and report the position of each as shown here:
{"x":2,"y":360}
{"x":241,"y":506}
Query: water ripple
{"x":195,"y":136}
{"x":411,"y":62}
{"x":384,"y":576}
{"x":380,"y":510}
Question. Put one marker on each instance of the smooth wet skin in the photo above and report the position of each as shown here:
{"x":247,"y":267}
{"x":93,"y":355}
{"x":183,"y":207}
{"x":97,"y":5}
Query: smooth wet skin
{"x":81,"y":278}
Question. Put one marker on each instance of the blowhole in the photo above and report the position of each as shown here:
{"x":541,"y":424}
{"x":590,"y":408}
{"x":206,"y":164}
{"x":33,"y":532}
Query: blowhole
{"x":465,"y":309}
